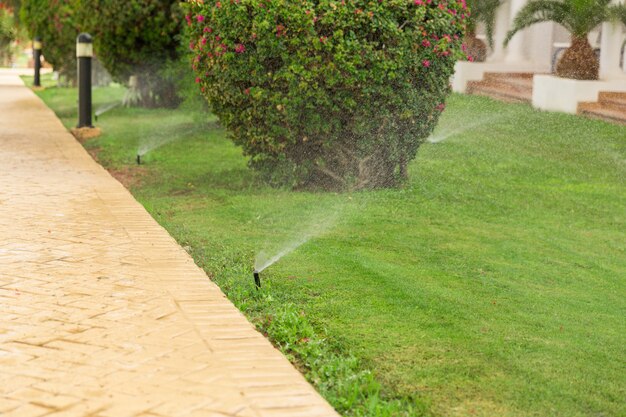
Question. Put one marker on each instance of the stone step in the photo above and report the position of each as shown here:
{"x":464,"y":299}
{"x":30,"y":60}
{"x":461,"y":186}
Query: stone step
{"x":522,"y":79}
{"x":501,"y":88}
{"x":603,"y":111}
{"x":613,"y":99}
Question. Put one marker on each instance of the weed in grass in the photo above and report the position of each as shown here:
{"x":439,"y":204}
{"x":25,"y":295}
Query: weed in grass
{"x":339,"y":376}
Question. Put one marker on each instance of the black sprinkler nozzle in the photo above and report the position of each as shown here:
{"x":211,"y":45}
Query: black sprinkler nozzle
{"x":257,"y":279}
{"x":138,"y":159}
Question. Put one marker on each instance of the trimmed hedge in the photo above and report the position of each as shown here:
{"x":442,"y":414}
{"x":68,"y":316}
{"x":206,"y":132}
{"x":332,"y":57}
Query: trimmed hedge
{"x":337,"y":94}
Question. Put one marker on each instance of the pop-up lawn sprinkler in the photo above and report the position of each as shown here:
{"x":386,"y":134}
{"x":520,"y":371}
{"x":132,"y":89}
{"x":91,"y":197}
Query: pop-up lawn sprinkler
{"x":138,"y":159}
{"x":257,"y":279}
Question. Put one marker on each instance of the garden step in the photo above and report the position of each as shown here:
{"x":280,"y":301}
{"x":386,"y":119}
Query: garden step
{"x":504,"y":87}
{"x":522,"y":79}
{"x":607,"y":112}
{"x":613,"y":99}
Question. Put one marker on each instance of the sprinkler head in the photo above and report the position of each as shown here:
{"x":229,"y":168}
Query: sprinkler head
{"x":138,"y":159}
{"x":257,"y":279}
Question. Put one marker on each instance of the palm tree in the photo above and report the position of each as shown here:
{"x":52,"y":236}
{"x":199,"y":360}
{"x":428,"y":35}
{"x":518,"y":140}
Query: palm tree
{"x":481,"y":11}
{"x":579,"y":17}
{"x":619,"y":13}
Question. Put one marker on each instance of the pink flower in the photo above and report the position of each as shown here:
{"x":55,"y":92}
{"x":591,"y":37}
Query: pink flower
{"x":440,"y":106}
{"x":240,"y":48}
{"x":426,"y":43}
{"x":426,"y":63}
{"x":200,"y":18}
{"x":418,"y":2}
{"x":197,"y":80}
{"x":218,"y":4}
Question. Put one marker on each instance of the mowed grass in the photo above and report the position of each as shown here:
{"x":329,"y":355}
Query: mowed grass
{"x":491,"y":284}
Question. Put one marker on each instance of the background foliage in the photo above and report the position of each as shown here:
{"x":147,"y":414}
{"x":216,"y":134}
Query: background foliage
{"x":8,"y":34}
{"x":137,"y":37}
{"x":332,"y":93}
{"x":57,"y":23}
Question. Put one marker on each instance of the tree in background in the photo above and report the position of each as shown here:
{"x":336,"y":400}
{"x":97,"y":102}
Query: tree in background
{"x":481,"y":11}
{"x":618,"y":12}
{"x":8,"y":34}
{"x":327,"y":93}
{"x":137,"y":38}
{"x":57,"y":23}
{"x":579,"y":17}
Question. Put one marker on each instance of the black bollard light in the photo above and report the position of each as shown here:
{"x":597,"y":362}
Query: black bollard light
{"x":84,"y":52}
{"x":37,"y":59}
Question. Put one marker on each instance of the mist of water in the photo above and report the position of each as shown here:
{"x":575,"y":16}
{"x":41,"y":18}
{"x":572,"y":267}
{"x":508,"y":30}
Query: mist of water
{"x":321,"y":223}
{"x":263,"y":260}
{"x":445,"y":131}
{"x":106,"y":107}
{"x":153,"y":142}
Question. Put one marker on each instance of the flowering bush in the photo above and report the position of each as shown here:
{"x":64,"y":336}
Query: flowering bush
{"x":333,"y":93}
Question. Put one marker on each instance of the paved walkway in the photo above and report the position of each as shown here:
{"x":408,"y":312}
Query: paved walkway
{"x":102,"y":314}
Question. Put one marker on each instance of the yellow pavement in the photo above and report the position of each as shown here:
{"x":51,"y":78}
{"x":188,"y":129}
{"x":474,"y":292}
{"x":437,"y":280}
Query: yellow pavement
{"x":102,"y":314}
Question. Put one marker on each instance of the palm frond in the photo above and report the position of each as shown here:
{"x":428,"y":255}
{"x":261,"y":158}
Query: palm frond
{"x":537,"y":11}
{"x":489,"y":11}
{"x":618,"y":12}
{"x":585,"y":15}
{"x":484,"y":11}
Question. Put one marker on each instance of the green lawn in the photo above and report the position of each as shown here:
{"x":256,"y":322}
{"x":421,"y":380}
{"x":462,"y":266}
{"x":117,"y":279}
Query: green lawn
{"x":492,"y":284}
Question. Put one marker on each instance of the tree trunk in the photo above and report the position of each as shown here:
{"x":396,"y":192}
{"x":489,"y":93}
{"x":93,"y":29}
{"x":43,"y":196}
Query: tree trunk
{"x":579,"y":61}
{"x":377,"y":171}
{"x":132,"y":97}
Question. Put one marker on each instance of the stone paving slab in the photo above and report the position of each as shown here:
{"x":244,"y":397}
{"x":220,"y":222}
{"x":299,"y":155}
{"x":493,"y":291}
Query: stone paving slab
{"x":102,"y":314}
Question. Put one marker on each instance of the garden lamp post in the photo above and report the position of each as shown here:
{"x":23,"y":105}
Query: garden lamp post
{"x":37,"y":59}
{"x":84,"y":52}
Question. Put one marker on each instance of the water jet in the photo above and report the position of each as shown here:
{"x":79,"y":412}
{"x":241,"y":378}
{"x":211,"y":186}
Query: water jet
{"x":101,"y":110}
